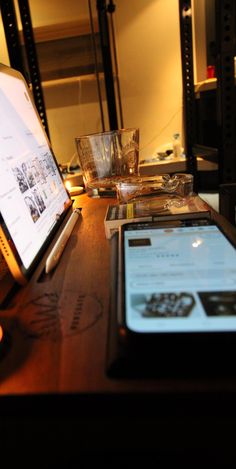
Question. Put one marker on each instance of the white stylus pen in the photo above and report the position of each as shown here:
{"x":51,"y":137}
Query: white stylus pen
{"x":57,"y":250}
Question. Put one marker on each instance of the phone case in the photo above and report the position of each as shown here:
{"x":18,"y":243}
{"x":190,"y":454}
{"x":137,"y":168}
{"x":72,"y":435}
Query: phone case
{"x":156,"y":355}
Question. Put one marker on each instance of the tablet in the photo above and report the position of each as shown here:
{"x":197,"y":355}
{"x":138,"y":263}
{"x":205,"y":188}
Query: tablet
{"x":33,"y":198}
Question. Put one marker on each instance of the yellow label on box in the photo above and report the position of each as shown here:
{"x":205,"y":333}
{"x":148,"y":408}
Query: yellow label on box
{"x":130,"y":211}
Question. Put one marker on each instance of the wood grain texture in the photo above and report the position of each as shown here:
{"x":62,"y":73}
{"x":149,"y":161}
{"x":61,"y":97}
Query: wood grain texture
{"x":58,"y":323}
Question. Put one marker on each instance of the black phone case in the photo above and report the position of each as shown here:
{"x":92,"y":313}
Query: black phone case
{"x":153,"y":355}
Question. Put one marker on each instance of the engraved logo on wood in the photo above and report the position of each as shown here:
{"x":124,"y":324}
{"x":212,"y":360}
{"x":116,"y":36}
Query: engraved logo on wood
{"x":53,"y":316}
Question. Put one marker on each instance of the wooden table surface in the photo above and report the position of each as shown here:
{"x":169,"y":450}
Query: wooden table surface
{"x":58,"y":329}
{"x":58,"y":324}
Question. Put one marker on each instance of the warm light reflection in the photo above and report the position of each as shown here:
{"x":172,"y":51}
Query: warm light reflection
{"x":68,"y":185}
{"x":197,"y":243}
{"x":1,"y":333}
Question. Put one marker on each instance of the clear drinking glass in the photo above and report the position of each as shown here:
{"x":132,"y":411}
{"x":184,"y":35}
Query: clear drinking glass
{"x":107,"y":158}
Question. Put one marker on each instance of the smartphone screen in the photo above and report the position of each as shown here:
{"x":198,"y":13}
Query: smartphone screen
{"x":179,"y":279}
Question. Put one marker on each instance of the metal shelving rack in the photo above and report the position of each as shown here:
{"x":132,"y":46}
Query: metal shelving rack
{"x":33,"y":61}
{"x":185,"y":17}
{"x":226,"y":106}
{"x":225,"y":20}
{"x":12,"y":35}
{"x":15,"y":51}
{"x":226,"y":90}
{"x":107,"y":62}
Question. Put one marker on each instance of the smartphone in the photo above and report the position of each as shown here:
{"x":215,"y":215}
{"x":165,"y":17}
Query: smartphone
{"x":177,"y":293}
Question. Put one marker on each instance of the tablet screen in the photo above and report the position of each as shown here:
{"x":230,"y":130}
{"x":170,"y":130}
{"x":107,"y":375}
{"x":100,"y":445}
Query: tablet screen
{"x":179,"y":279}
{"x":32,"y":193}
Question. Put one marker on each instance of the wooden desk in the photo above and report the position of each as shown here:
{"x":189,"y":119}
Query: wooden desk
{"x":53,"y":381}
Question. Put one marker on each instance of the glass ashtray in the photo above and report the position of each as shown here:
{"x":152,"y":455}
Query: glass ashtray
{"x":137,"y":188}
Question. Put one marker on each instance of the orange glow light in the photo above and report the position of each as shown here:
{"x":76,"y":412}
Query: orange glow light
{"x":1,"y":333}
{"x":68,"y":185}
